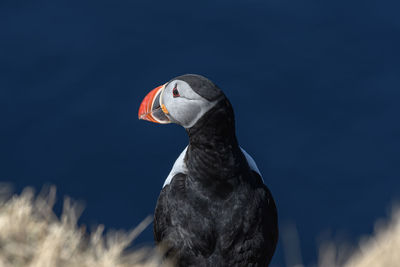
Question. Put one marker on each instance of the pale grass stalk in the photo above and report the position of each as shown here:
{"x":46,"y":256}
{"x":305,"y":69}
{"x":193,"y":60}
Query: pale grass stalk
{"x":382,"y":249}
{"x":32,"y":235}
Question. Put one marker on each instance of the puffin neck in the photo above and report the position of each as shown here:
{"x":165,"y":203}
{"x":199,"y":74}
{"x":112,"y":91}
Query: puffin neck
{"x":215,"y":128}
{"x":213,"y":157}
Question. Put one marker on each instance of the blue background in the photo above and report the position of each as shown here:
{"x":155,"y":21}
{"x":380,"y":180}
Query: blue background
{"x":315,"y":86}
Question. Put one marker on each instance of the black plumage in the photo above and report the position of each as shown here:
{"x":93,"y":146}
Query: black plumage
{"x":201,"y":85}
{"x":219,"y":213}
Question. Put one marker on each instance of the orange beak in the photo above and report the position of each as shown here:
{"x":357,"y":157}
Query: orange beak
{"x":151,"y":109}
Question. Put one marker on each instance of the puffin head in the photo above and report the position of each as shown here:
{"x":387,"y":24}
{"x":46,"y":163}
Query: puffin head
{"x":183,"y":100}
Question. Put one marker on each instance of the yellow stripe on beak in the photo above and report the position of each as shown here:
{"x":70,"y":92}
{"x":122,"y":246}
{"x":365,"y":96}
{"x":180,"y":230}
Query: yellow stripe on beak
{"x":164,"y":109}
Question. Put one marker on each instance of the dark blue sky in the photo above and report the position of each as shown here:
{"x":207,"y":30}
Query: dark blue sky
{"x":315,"y":86}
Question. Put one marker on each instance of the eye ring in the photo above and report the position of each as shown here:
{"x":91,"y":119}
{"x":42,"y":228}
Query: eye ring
{"x":175,"y":92}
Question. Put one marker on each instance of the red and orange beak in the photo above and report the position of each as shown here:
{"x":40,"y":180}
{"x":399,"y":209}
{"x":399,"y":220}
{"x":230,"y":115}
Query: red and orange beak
{"x":151,"y":108}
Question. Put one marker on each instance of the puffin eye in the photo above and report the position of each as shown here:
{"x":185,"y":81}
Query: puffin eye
{"x":175,"y":92}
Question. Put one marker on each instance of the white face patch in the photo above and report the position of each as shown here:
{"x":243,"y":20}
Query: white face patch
{"x":185,"y":107}
{"x":180,"y":166}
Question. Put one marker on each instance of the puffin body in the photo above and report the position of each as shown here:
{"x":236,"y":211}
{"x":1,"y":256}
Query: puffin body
{"x":214,"y":209}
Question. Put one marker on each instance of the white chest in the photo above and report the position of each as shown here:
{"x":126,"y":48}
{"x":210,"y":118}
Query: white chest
{"x":180,"y":166}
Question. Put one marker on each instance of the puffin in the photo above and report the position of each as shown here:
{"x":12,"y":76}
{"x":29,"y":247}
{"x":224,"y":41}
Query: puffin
{"x":214,"y":208}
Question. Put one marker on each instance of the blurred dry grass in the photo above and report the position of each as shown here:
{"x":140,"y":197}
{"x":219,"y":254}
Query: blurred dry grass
{"x":382,"y":249}
{"x":32,"y":235}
